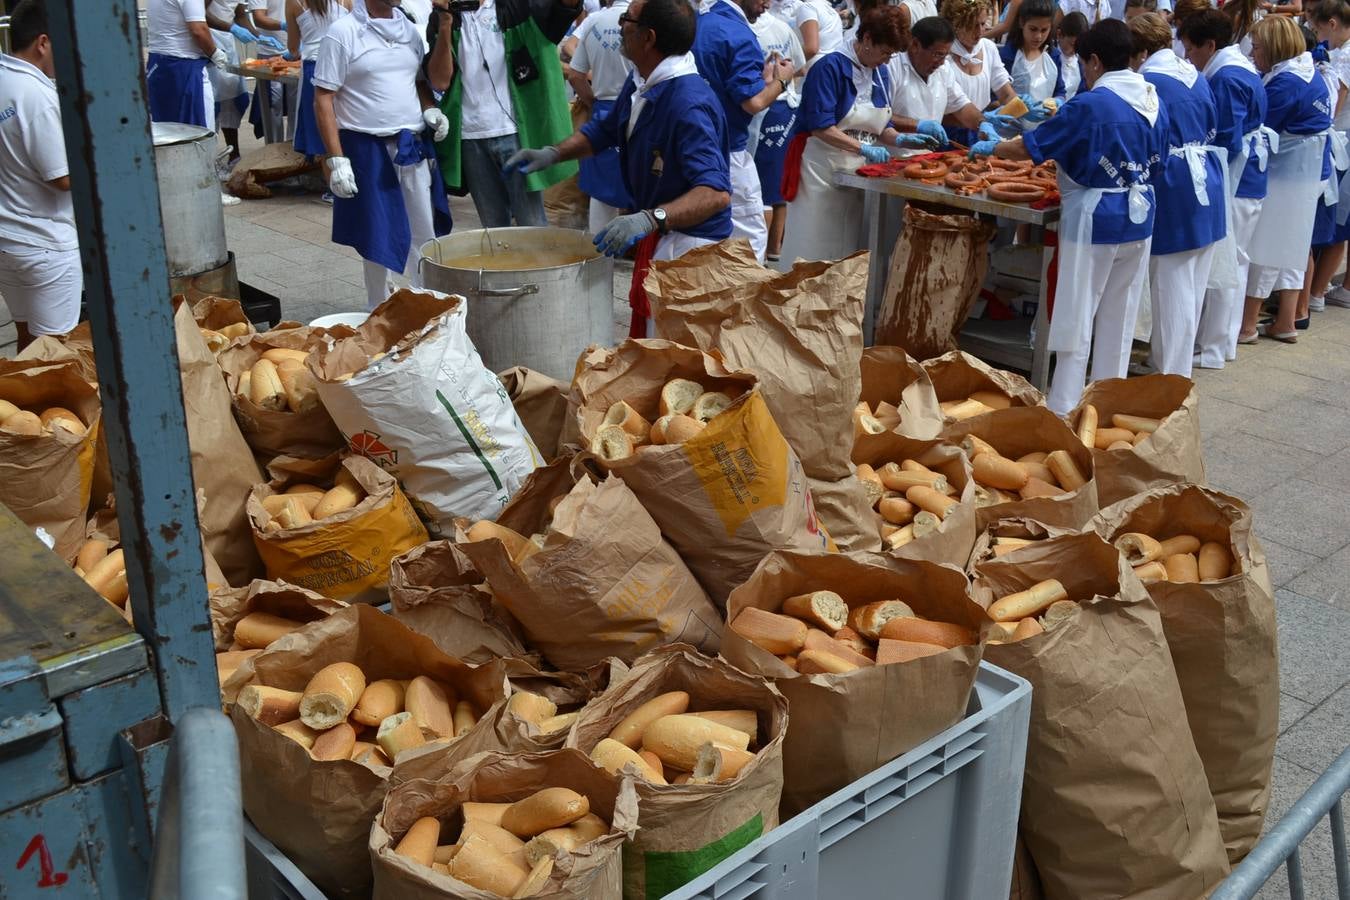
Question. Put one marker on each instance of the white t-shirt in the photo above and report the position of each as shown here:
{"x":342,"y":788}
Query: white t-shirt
{"x":314,"y":26}
{"x":831,"y":28}
{"x":224,"y":9}
{"x":420,"y":10}
{"x":914,"y":98}
{"x":1337,"y":73}
{"x":273,"y":9}
{"x":919,"y":9}
{"x":984,"y":84}
{"x":776,"y":36}
{"x":598,"y":42}
{"x":374,"y":77}
{"x":32,"y":153}
{"x":486,"y":110}
{"x":1094,"y":10}
{"x":166,"y":21}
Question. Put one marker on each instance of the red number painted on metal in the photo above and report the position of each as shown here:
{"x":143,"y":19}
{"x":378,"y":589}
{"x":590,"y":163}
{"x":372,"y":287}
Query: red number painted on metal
{"x":50,"y":877}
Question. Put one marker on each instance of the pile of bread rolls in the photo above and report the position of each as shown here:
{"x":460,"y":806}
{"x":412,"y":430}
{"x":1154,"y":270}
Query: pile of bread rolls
{"x":506,"y":849}
{"x":685,"y":410}
{"x":817,"y":633}
{"x":539,"y":713}
{"x":911,"y":499}
{"x":664,"y":742}
{"x":339,"y":712}
{"x":977,"y":404}
{"x":27,"y":423}
{"x":1040,"y":608}
{"x":218,"y":339}
{"x":1183,"y":558}
{"x":1038,"y":474}
{"x":1124,"y":433}
{"x":253,"y":634}
{"x":102,"y":566}
{"x":302,"y":504}
{"x":279,"y":381}
{"x":518,"y":547}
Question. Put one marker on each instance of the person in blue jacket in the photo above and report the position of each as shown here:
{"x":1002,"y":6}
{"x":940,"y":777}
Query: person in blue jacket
{"x":1033,"y":61}
{"x":1192,"y":217}
{"x":1298,"y":107}
{"x":1240,"y":103}
{"x":1109,"y":144}
{"x":673,"y":147}
{"x":729,"y":57}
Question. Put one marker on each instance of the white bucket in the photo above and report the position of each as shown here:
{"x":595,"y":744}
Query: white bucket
{"x":354,"y":319}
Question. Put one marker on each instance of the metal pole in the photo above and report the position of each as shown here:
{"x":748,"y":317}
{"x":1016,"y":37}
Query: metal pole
{"x":112,"y":172}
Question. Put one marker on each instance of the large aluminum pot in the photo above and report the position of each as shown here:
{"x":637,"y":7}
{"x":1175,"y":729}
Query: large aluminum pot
{"x":544,"y":298}
{"x":189,"y":198}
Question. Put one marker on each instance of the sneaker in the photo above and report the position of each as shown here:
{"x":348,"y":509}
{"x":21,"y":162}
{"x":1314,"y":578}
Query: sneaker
{"x":327,"y":198}
{"x":1316,"y":303}
{"x":1338,"y":297}
{"x":229,"y":199}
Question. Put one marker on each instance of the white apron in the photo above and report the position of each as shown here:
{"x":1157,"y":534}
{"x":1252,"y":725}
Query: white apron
{"x":825,"y":221}
{"x":1337,"y":187}
{"x":1294,"y":185}
{"x":1035,"y":80}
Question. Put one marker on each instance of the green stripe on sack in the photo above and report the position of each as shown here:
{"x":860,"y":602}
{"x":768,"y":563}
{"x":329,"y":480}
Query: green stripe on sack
{"x":468,"y":438}
{"x":670,"y":870}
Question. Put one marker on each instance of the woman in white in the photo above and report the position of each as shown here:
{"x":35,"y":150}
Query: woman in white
{"x":1070,"y":29}
{"x":974,"y":61}
{"x":310,"y":20}
{"x":820,"y":28}
{"x":1033,"y":61}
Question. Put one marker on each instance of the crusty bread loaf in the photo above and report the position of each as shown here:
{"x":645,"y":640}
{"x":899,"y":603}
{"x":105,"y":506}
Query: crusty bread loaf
{"x":1215,"y":561}
{"x":259,"y":629}
{"x":1182,"y":568}
{"x":399,"y":733}
{"x":531,"y":707}
{"x":893,"y":651}
{"x":868,"y":619}
{"x":710,"y":405}
{"x":339,"y":499}
{"x":1067,"y":473}
{"x":630,"y":730}
{"x":1138,"y":548}
{"x":265,"y":388}
{"x":335,"y":743}
{"x":926,"y":631}
{"x":821,"y":662}
{"x":331,"y":695}
{"x":269,"y":705}
{"x":627,"y":418}
{"x":22,"y":424}
{"x":551,"y":807}
{"x":820,"y":641}
{"x":825,"y":609}
{"x":60,"y":417}
{"x":676,"y":739}
{"x":773,"y":632}
{"x":611,"y":444}
{"x":483,"y":866}
{"x":1030,"y":602}
{"x":1182,"y":543}
{"x":612,"y":756}
{"x":678,"y":396}
{"x":994,"y":470}
{"x":717,"y":764}
{"x":380,"y":700}
{"x":431,"y":705}
{"x":475,"y":811}
{"x":297,"y":731}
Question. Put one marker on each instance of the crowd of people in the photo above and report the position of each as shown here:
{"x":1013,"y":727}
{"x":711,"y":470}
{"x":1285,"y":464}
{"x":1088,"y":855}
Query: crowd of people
{"x":1200,"y":150}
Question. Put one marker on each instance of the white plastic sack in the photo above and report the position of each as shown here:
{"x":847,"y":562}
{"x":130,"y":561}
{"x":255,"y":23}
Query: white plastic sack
{"x":410,"y":393}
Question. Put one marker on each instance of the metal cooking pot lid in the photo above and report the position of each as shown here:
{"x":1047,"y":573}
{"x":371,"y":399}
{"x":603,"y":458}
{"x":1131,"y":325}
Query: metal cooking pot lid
{"x":166,"y":134}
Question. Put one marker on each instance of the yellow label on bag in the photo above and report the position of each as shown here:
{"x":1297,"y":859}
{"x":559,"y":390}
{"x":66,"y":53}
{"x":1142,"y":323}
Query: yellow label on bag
{"x":742,"y":460}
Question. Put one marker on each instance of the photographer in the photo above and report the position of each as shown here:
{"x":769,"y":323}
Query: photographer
{"x":506,"y":91}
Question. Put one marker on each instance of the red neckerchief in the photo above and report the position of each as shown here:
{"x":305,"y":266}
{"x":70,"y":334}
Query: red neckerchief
{"x":637,"y":291}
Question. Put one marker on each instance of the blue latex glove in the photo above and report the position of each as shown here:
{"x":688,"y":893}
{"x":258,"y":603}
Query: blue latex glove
{"x":289,"y":56}
{"x":875,"y":153}
{"x":988,"y":132}
{"x":622,"y":233}
{"x":1002,"y":123}
{"x":267,"y":40}
{"x":1035,"y":112}
{"x":933,"y":129}
{"x":527,"y":160}
{"x":243,"y":34}
{"x":907,"y":139}
{"x":982,"y":148}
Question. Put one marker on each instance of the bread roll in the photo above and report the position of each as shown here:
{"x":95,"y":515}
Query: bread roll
{"x":932,"y":501}
{"x":871,"y":483}
{"x":868,"y":620}
{"x":823,"y":608}
{"x":893,"y":651}
{"x":419,"y":842}
{"x":339,"y":499}
{"x":899,"y":537}
{"x":775,"y":633}
{"x":1029,"y":602}
{"x":269,"y":705}
{"x":926,"y":631}
{"x":681,"y":428}
{"x":1136,"y":423}
{"x":710,"y":405}
{"x":506,"y":843}
{"x":483,"y":812}
{"x":1151,"y":572}
{"x":993,"y":470}
{"x":611,"y":444}
{"x":897,"y":511}
{"x":60,"y":417}
{"x":1182,"y":568}
{"x":612,"y":756}
{"x":552,"y":807}
{"x":265,"y":389}
{"x":301,"y":388}
{"x":629,"y":731}
{"x":743,"y":720}
{"x":974,"y":446}
{"x":677,"y":739}
{"x":1027,"y":628}
{"x":331,"y":695}
{"x":91,"y":552}
{"x":259,"y":629}
{"x":531,"y":707}
{"x":101,"y":576}
{"x":7,"y":409}
{"x":1035,"y":487}
{"x":897,"y":479}
{"x":627,"y":418}
{"x":536,"y":880}
{"x":465,"y":717}
{"x":294,"y":513}
{"x":1108,"y":436}
{"x":964,"y":409}
{"x":1138,"y":548}
{"x":236,"y":330}
{"x":431,"y":705}
{"x":558,"y":723}
{"x":678,"y":396}
{"x":1182,"y":543}
{"x":483,"y":866}
{"x":399,"y":733}
{"x":717,"y":764}
{"x":992,"y":399}
{"x":1058,"y":613}
{"x":820,"y":662}
{"x":822,"y":642}
{"x":517,"y":546}
{"x":1121,"y":445}
{"x":22,"y":424}
{"x":335,"y":743}
{"x":1087,"y":426}
{"x":1038,"y":470}
{"x":229,"y":661}
{"x":1066,"y":470}
{"x":1016,"y":107}
{"x":1215,"y":561}
{"x":866,"y":423}
{"x":297,"y":731}
{"x":380,"y":700}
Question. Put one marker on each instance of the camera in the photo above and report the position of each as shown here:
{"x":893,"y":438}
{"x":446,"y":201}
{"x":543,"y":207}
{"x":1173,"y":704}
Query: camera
{"x":459,"y":6}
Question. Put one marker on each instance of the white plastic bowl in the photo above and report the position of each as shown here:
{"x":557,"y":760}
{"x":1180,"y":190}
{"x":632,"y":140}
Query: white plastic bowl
{"x":354,"y":319}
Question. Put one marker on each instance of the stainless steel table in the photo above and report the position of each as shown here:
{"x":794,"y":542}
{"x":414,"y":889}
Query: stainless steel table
{"x":1005,"y":343}
{"x":262,"y":73}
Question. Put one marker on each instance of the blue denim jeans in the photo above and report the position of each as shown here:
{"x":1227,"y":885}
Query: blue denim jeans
{"x":499,"y":198}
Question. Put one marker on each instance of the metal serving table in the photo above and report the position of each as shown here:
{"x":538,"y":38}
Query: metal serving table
{"x":262,"y":73}
{"x":1006,"y":343}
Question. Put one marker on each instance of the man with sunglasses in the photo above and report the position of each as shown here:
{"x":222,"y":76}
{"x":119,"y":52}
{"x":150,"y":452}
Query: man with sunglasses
{"x":673,"y":148}
{"x":924,"y":91}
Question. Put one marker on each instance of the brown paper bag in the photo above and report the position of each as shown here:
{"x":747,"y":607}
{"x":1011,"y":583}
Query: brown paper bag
{"x":891,"y":376}
{"x":541,"y":403}
{"x":319,"y":813}
{"x":1114,"y":799}
{"x":957,"y":375}
{"x":270,"y":431}
{"x":605,"y":582}
{"x":1170,"y":455}
{"x":216,"y":313}
{"x":1021,"y":430}
{"x":222,"y":463}
{"x":289,"y":601}
{"x":1026,"y":884}
{"x":77,"y":346}
{"x":1015,"y":527}
{"x":842,"y":508}
{"x":436,"y":591}
{"x":799,"y":332}
{"x":723,"y":498}
{"x":952,"y":543}
{"x":845,"y":726}
{"x":936,"y":270}
{"x":1223,"y":643}
{"x":688,"y":829}
{"x":46,"y":479}
{"x":568,"y":691}
{"x":345,"y":555}
{"x":593,"y":872}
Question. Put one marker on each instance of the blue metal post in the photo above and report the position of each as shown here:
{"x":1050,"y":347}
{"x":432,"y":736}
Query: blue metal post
{"x":112,"y":172}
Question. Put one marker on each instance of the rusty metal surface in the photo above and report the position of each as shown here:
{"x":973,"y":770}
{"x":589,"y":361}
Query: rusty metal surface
{"x":909,"y":189}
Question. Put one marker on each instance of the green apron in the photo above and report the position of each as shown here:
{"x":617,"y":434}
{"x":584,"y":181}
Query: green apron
{"x":540,"y":106}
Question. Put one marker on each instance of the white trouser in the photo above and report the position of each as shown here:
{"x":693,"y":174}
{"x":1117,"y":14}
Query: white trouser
{"x":601,"y":214}
{"x":41,"y":287}
{"x":414,"y":183}
{"x":747,"y":204}
{"x":673,"y":246}
{"x":1177,"y":284}
{"x":1262,"y":281}
{"x":1113,"y":294}
{"x":1221,"y":319}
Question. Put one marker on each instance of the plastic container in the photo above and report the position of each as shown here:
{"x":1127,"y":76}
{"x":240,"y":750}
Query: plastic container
{"x":938,"y":823}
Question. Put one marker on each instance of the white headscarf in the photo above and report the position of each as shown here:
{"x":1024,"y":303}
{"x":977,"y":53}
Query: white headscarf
{"x":1166,"y":62}
{"x":1134,"y":90}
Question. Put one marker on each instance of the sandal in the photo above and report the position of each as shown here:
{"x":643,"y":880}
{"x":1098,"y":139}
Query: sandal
{"x":1288,"y":337}
{"x":1252,"y":338}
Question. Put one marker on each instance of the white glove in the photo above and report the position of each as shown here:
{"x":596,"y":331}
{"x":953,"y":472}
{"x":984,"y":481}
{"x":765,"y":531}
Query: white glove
{"x":341,"y":178}
{"x":437,"y":122}
{"x":219,"y":59}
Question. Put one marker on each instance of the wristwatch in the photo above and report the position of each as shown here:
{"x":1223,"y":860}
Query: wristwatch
{"x":782,"y":83}
{"x":659,"y":217}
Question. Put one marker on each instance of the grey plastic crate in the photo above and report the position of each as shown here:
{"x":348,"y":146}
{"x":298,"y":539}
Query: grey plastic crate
{"x":271,"y":875}
{"x":938,"y":823}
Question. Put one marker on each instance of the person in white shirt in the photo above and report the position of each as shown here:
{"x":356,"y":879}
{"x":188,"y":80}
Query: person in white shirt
{"x":776,"y":38}
{"x":919,"y":9}
{"x":820,"y":28}
{"x":229,"y":23}
{"x":377,"y":118}
{"x":310,"y":20}
{"x":1070,"y":29}
{"x":177,"y":81}
{"x":1092,"y":10}
{"x":975,"y":64}
{"x":924,"y":91}
{"x":40,"y":275}
{"x":601,"y":69}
